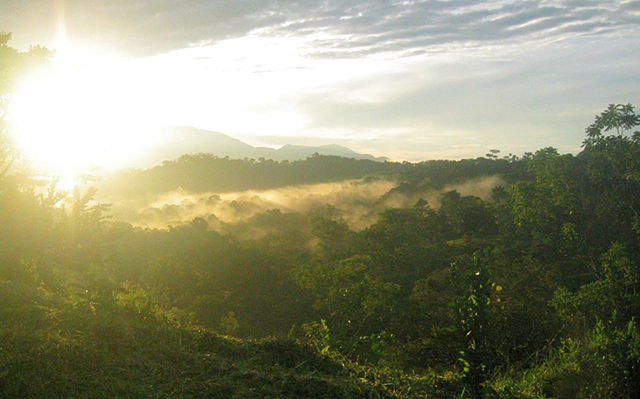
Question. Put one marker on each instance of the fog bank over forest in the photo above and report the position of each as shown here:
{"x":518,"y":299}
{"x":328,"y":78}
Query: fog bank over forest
{"x":360,"y":202}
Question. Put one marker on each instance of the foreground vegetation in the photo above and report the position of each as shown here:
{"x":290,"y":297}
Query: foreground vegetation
{"x":72,"y":343}
{"x":532,"y":293}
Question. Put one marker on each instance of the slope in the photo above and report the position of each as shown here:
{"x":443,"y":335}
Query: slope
{"x":119,"y":342}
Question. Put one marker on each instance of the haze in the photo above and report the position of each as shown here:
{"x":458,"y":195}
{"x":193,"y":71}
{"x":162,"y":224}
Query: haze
{"x":409,"y":80}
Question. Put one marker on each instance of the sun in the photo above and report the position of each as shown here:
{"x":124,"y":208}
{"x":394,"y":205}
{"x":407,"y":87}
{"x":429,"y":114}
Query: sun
{"x":78,"y":115}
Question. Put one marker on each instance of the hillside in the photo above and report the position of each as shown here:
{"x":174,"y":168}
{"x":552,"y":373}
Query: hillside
{"x":65,"y":342}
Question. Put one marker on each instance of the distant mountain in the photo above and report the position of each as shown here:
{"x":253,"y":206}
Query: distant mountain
{"x":180,"y":140}
{"x":296,"y":152}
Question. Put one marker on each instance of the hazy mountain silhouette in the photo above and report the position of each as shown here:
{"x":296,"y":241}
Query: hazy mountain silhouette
{"x":180,"y":140}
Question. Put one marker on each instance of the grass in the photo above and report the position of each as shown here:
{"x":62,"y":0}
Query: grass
{"x":123,"y":344}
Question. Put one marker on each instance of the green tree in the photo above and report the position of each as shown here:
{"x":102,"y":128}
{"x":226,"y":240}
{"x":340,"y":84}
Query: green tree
{"x":352,"y":296}
{"x":335,"y":239}
{"x":618,"y":117}
{"x":467,"y":216}
{"x":473,"y":284}
{"x":612,"y":178}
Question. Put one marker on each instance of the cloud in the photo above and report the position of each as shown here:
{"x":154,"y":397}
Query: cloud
{"x":365,"y":27}
{"x":409,"y":79}
{"x":517,"y":101}
{"x":339,"y":29}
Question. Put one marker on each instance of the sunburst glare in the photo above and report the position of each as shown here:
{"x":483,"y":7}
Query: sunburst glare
{"x":75,"y":116}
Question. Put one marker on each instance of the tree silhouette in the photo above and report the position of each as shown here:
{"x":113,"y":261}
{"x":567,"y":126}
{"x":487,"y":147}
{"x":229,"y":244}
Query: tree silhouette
{"x":14,"y":65}
{"x":618,"y":117}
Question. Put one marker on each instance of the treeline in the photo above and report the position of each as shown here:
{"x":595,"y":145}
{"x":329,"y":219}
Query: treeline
{"x":209,"y":173}
{"x":432,"y":175}
{"x":199,"y":173}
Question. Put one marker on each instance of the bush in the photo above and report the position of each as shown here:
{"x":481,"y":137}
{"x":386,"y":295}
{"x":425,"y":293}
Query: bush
{"x":605,"y":365}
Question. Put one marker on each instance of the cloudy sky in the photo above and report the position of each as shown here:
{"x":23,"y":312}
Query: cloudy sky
{"x":410,"y":80}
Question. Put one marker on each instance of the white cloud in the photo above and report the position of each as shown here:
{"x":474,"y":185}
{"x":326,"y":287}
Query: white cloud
{"x":351,"y":28}
{"x":397,"y":78}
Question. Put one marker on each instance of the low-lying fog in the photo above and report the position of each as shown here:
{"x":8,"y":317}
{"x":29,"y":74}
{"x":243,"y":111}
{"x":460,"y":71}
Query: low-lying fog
{"x":359,"y":200}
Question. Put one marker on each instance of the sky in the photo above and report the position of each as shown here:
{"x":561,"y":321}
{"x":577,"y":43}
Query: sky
{"x":410,"y":80}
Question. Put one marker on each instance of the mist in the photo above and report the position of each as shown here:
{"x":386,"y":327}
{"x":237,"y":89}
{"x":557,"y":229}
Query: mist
{"x":360,"y":202}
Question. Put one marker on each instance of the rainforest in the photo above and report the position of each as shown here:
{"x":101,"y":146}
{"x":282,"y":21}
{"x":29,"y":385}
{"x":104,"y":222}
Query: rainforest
{"x":500,"y":276}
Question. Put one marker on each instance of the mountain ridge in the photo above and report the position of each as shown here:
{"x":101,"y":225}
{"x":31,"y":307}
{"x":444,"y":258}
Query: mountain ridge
{"x":181,"y":140}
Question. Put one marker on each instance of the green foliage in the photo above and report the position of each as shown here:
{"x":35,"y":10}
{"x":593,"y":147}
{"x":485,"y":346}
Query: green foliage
{"x":605,"y":364}
{"x":352,"y":295}
{"x":318,"y":335}
{"x":618,"y":117}
{"x":467,"y":216}
{"x":541,"y":207}
{"x":376,"y":346}
{"x":68,"y":342}
{"x":614,"y":297}
{"x":229,"y":323}
{"x":534,"y":294}
{"x":437,"y":174}
{"x":207,"y":173}
{"x":472,"y":305}
{"x":335,"y":239}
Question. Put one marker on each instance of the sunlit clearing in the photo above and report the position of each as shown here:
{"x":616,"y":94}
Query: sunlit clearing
{"x":77,"y":116}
